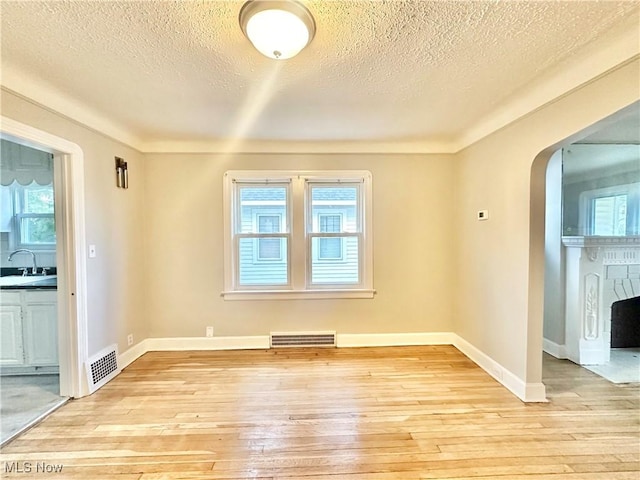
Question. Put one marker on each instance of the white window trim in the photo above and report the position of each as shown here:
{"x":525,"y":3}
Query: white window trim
{"x":299,"y":270}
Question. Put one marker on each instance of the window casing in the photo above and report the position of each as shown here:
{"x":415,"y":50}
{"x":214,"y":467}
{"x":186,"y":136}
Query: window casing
{"x":298,"y":234}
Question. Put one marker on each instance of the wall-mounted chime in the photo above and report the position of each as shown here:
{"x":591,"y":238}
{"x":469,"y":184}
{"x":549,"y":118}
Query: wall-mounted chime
{"x":122,"y":174}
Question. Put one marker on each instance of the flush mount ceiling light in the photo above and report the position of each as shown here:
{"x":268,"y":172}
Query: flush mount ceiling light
{"x":278,"y":29}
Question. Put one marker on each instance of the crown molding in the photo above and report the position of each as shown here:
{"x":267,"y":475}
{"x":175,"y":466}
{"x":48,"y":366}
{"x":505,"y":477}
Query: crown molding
{"x":41,"y":93}
{"x":300,"y":147}
{"x":584,"y":68}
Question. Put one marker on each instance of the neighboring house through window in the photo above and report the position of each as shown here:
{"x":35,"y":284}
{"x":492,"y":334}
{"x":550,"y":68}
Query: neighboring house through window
{"x":269,"y":248}
{"x":330,"y":248}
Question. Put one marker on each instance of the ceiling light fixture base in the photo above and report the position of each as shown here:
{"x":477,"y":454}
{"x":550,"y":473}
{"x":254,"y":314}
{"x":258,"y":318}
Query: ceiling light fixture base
{"x":279,"y":29}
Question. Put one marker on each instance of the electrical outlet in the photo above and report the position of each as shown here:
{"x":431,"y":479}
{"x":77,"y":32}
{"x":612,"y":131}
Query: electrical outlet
{"x":130,"y":339}
{"x":209,"y":331}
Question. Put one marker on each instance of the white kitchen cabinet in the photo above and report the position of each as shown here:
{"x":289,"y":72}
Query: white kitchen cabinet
{"x":29,"y":328}
{"x":11,"y":351}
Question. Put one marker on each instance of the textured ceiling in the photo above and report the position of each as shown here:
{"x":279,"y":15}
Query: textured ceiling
{"x":376,"y":70}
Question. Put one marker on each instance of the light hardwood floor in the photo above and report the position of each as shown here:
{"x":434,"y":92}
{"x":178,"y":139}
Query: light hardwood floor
{"x":367,"y":413}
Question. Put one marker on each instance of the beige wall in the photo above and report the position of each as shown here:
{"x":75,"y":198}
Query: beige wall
{"x":413,"y":249}
{"x":114,"y":223}
{"x":501,"y":276}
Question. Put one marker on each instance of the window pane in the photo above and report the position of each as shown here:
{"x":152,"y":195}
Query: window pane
{"x":269,"y":223}
{"x":345,"y":271}
{"x":38,"y":199}
{"x":254,"y":270}
{"x":269,"y":249}
{"x":330,"y":223}
{"x":259,"y":206}
{"x":329,"y":249}
{"x":334,"y":209}
{"x":610,"y":215}
{"x":38,"y":230}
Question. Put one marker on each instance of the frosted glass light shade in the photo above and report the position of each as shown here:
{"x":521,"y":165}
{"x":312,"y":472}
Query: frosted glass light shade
{"x":277,"y":29}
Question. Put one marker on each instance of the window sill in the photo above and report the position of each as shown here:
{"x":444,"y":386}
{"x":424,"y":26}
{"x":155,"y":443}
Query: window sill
{"x":319,"y":294}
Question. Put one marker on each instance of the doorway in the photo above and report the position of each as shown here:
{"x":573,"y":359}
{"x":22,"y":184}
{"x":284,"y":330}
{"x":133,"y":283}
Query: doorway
{"x":29,"y":371}
{"x":68,"y":181}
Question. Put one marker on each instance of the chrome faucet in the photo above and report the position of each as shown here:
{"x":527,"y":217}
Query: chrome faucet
{"x":34,"y":269}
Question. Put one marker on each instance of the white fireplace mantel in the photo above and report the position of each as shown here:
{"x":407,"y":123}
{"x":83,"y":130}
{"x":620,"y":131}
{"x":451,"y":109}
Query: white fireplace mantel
{"x":599,"y":272}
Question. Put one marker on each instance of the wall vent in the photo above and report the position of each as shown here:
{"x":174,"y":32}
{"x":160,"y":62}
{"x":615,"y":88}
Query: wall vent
{"x":102,"y":367}
{"x":302,"y":339}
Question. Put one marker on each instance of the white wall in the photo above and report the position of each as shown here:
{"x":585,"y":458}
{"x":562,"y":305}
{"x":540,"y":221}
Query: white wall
{"x":501,"y":261}
{"x":554,"y":254}
{"x":114,"y":223}
{"x":413,"y":248}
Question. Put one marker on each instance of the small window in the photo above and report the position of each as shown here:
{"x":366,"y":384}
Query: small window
{"x":609,"y":215}
{"x":330,"y":248}
{"x":34,"y":220}
{"x":269,"y":248}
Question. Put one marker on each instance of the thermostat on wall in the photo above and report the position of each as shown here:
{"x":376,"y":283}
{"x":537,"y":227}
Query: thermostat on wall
{"x":483,"y":214}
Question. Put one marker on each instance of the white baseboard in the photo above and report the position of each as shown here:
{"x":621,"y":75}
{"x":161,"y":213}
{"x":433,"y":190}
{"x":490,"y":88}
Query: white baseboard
{"x":132,"y":354}
{"x":208,"y":343}
{"x":554,"y":349}
{"x":527,"y":392}
{"x":393,"y":339}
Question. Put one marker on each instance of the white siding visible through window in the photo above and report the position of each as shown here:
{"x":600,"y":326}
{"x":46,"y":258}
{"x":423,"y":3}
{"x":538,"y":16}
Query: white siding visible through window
{"x":262,"y":236}
{"x":335,"y":233}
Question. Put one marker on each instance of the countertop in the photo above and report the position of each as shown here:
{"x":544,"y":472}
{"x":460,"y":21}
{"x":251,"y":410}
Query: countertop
{"x":36,"y":282}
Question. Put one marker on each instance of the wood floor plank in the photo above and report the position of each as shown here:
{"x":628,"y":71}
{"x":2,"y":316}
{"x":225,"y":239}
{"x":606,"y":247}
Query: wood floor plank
{"x":359,"y":414}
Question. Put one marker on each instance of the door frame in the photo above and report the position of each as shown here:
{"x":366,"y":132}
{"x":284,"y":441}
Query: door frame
{"x":70,"y":249}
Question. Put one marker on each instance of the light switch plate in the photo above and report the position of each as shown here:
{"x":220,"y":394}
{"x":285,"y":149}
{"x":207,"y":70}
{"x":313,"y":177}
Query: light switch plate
{"x":92,"y":251}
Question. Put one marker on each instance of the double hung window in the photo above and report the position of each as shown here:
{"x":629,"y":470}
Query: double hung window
{"x":27,"y":211}
{"x":298,"y":234}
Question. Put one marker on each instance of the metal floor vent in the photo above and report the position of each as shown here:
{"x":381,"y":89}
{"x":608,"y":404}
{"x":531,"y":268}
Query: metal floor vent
{"x":302,"y":339}
{"x":102,"y":367}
